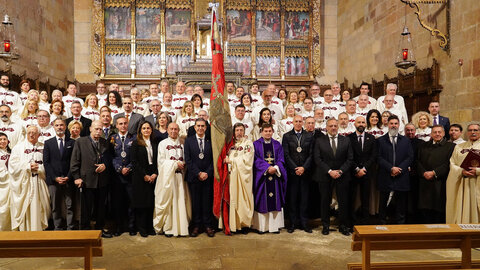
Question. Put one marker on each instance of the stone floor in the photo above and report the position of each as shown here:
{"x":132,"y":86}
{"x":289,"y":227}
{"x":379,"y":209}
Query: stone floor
{"x":252,"y":251}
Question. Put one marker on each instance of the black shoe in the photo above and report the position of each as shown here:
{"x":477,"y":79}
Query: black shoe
{"x":152,"y":233}
{"x":326,"y":230}
{"x":245,"y":230}
{"x":344,"y":230}
{"x":290,"y":229}
{"x":307,"y":229}
{"x":116,"y":234}
{"x":132,"y":233}
{"x":276,"y":232}
{"x":106,"y":234}
{"x":142,"y":234}
{"x":168,"y":235}
{"x":195,"y":232}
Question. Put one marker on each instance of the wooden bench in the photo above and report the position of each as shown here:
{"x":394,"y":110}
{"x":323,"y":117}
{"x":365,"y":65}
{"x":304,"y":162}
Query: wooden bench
{"x":404,"y":237}
{"x":52,"y":244}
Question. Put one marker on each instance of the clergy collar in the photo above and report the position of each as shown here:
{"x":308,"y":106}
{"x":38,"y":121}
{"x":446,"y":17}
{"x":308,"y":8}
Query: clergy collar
{"x":267,"y":141}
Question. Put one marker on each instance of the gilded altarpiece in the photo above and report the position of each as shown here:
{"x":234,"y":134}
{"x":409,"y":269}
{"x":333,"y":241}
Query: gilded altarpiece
{"x":270,"y":40}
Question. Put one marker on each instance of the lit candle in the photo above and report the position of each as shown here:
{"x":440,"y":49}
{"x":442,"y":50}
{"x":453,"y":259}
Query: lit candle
{"x":405,"y":54}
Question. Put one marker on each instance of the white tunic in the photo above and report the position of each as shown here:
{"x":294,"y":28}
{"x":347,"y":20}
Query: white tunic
{"x":14,"y":132}
{"x":331,"y":110}
{"x":247,"y":123}
{"x":179,"y":100}
{"x":91,"y":113}
{"x":372,"y":102}
{"x":30,"y":200}
{"x":172,"y":201}
{"x":46,"y":133}
{"x":5,"y":219}
{"x":12,"y":99}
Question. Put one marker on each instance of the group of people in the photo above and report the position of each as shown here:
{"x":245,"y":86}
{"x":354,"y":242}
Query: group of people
{"x":145,"y":161}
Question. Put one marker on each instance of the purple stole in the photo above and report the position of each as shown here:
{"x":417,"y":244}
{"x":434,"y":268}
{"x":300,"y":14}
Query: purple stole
{"x":271,"y":190}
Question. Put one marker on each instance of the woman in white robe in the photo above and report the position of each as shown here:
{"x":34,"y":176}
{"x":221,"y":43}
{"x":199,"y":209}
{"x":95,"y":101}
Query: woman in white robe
{"x":266,"y":117}
{"x":30,"y":199}
{"x":172,"y":211}
{"x":286,"y":124}
{"x":186,"y":119}
{"x":90,"y":108}
{"x":5,"y":220}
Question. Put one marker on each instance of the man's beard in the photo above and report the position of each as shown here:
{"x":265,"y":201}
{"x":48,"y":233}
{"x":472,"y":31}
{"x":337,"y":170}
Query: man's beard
{"x":5,"y":85}
{"x":5,"y":118}
{"x":360,"y":129}
{"x":60,"y":133}
{"x":393,"y":131}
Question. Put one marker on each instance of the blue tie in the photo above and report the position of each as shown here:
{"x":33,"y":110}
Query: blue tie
{"x":61,"y":148}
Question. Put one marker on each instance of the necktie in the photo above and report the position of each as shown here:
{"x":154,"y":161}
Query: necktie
{"x":298,"y":135}
{"x":77,"y":119}
{"x":123,"y":139}
{"x":105,"y":130}
{"x":435,"y":122}
{"x":61,"y":147}
{"x":201,"y":145}
{"x":127,"y":116}
{"x":334,"y":146}
{"x":360,"y":141}
{"x":394,"y":144}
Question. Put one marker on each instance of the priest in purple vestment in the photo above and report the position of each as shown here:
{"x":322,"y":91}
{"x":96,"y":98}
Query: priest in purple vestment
{"x":270,"y":183}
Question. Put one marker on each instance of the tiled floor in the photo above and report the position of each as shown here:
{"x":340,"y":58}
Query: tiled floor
{"x":252,"y":251}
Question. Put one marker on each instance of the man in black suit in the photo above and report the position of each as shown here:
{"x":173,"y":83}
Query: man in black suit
{"x":88,"y":167}
{"x":204,"y":115}
{"x":434,"y":109}
{"x":364,"y":149}
{"x":199,"y":161}
{"x":395,"y":156}
{"x":56,"y":160}
{"x":297,"y":149}
{"x":333,"y":157}
{"x":107,"y":128}
{"x":76,"y":109}
{"x":133,"y":118}
{"x":155,"y":107}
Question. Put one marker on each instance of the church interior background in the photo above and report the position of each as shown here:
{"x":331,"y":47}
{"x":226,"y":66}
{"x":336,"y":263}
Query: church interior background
{"x":289,"y":42}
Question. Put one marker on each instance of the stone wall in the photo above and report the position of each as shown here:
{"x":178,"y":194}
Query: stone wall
{"x":368,"y":36}
{"x":44,"y":39}
{"x":83,"y":25}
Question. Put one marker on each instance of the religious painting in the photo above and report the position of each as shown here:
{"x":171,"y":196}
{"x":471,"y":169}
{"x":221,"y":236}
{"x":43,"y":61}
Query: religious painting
{"x":241,"y":64}
{"x":296,"y":25}
{"x":177,"y":23}
{"x":268,"y":66}
{"x":296,"y":66}
{"x":176,"y":63}
{"x":117,"y":23}
{"x":239,"y":25}
{"x":117,"y":64}
{"x":148,"y":64}
{"x":148,"y":23}
{"x":268,"y":25}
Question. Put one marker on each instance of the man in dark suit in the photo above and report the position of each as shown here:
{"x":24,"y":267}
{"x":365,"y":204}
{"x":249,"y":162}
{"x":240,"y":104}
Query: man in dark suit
{"x":199,"y":161}
{"x":133,"y":118}
{"x":88,"y":167}
{"x":107,"y":128}
{"x":204,"y":115}
{"x":56,"y":160}
{"x":333,"y":157}
{"x":434,"y":109}
{"x":297,"y":149}
{"x":364,"y":149}
{"x":76,"y":109}
{"x":395,"y":156}
{"x":155,"y":107}
{"x":122,"y":193}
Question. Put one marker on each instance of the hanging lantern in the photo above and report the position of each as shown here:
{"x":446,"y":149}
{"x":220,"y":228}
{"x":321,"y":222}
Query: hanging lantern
{"x":405,"y":57}
{"x":7,"y":38}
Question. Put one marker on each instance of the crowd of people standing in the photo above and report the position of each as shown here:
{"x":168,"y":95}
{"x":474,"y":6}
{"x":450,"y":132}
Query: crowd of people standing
{"x":143,"y":162}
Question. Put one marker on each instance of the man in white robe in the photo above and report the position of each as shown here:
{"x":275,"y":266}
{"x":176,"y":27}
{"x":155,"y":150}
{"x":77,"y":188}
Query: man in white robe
{"x":172,"y":211}
{"x":239,"y":117}
{"x":240,"y":168}
{"x":13,"y":130}
{"x":30,"y":200}
{"x":46,"y":130}
{"x":9,"y":97}
{"x":463,"y":186}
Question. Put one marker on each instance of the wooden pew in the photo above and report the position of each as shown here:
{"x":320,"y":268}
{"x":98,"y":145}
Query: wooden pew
{"x":403,"y":237}
{"x":52,"y":244}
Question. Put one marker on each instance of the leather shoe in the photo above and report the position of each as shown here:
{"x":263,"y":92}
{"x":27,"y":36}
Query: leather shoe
{"x":290,"y":229}
{"x":307,"y":229}
{"x":132,"y":233}
{"x":152,"y":232}
{"x":195,"y":232}
{"x":168,"y":235}
{"x":326,"y":230}
{"x":106,"y":234}
{"x":210,"y":232}
{"x":344,"y":230}
{"x":142,"y":234}
{"x":117,"y":234}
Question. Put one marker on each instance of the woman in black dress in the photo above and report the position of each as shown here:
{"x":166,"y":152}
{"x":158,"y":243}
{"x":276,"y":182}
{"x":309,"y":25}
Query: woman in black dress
{"x":144,"y":161}
{"x":160,"y":131}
